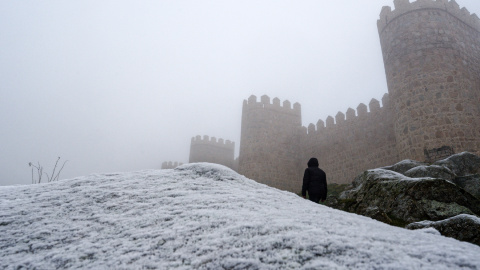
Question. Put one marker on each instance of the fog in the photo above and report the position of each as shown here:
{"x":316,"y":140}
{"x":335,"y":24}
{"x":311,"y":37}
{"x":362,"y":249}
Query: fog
{"x":124,"y":85}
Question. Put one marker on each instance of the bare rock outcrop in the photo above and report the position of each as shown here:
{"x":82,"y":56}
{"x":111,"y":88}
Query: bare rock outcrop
{"x":411,"y":192}
{"x":397,"y":199}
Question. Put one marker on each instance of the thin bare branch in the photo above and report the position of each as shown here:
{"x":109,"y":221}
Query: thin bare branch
{"x":54,"y":168}
{"x":58,"y":174}
{"x":40,"y":172}
{"x":50,"y":178}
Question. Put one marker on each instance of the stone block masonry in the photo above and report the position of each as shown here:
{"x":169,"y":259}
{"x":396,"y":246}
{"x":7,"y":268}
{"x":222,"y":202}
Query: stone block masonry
{"x":431,"y":52}
{"x":353,"y":144}
{"x":275,"y":148}
{"x":269,"y":145}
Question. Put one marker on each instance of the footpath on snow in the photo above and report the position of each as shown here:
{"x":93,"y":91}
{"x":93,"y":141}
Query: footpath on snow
{"x":202,"y":216}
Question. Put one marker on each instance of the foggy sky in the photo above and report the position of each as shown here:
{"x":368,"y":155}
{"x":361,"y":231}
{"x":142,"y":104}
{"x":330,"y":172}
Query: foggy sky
{"x":124,"y":85}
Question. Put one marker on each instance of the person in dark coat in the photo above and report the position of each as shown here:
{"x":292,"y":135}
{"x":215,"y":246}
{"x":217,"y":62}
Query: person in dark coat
{"x":314,"y":182}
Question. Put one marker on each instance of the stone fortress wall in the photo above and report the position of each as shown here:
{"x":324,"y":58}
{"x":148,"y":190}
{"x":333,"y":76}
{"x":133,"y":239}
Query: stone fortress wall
{"x":353,"y":142}
{"x":275,"y":147}
{"x":210,"y":150}
{"x":431,"y":51}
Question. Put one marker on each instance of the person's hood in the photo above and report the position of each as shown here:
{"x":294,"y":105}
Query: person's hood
{"x":313,"y":162}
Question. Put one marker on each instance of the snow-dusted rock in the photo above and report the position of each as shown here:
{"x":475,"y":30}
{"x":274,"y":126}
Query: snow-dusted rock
{"x":411,"y":191}
{"x":433,"y":171}
{"x":429,"y":230}
{"x":461,"y":227}
{"x":394,"y":198}
{"x":404,"y":165}
{"x":201,"y":216}
{"x":461,"y":164}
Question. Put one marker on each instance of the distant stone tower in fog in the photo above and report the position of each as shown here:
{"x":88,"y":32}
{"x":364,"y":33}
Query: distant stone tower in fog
{"x":210,"y":150}
{"x":170,"y":165}
{"x":431,"y":52}
{"x":269,"y":149}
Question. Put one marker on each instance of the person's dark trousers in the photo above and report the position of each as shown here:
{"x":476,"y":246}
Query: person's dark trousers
{"x":314,"y":198}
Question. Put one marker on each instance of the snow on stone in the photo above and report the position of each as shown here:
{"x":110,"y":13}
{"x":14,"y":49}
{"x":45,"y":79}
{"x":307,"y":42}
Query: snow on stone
{"x":387,"y":175}
{"x":460,"y":217}
{"x":422,"y":168}
{"x":202,"y":216}
{"x":473,"y":218}
{"x":407,"y":162}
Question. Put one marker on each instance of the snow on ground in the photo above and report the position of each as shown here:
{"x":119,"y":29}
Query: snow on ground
{"x":201,"y":216}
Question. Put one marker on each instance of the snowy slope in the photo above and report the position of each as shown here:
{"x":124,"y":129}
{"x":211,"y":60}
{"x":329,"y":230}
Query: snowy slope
{"x":202,"y":216}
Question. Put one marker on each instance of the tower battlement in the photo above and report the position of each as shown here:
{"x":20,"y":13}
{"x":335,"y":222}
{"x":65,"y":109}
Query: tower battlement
{"x":264,"y":103}
{"x":197,"y":140}
{"x":404,"y":6}
{"x":351,"y":115}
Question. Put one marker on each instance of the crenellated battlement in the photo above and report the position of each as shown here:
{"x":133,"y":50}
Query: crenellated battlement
{"x":212,"y":141}
{"x":170,"y":165}
{"x":350,"y":115}
{"x":404,"y":6}
{"x":264,"y":103}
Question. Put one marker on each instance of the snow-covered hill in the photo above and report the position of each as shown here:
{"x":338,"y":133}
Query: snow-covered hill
{"x":202,"y":216}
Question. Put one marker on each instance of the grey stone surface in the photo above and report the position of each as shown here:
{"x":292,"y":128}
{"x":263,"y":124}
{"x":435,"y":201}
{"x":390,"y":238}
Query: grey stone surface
{"x":461,"y":164}
{"x":470,"y":183}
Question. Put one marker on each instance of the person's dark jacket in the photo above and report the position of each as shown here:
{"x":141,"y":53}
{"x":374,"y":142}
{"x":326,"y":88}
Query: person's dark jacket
{"x":314,"y":181}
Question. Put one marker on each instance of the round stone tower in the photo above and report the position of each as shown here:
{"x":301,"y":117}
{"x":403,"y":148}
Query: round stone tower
{"x":431,"y":52}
